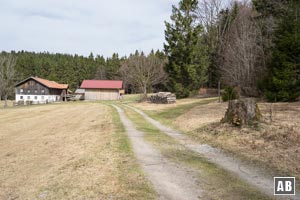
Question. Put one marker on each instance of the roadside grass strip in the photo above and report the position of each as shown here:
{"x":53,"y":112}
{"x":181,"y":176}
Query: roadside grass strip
{"x":132,"y":176}
{"x":167,"y":116}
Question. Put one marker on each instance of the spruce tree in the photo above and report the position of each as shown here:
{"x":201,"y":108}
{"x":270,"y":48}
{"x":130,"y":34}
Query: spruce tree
{"x":283,"y":83}
{"x":112,"y":66}
{"x":187,"y":56}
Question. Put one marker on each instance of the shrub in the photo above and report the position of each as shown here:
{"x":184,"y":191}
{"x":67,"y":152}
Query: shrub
{"x":229,"y":93}
{"x":180,"y":91}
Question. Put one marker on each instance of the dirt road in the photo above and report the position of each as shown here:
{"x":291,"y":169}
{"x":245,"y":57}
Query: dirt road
{"x":253,"y":176}
{"x":170,"y":180}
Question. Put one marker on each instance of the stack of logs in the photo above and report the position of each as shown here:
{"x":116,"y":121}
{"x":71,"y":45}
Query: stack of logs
{"x":163,"y":97}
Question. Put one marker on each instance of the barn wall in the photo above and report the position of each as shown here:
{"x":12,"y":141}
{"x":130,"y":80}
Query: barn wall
{"x":101,"y":94}
{"x":32,"y":87}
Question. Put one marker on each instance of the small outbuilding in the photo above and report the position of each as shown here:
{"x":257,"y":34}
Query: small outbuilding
{"x":79,"y":94}
{"x":102,"y":89}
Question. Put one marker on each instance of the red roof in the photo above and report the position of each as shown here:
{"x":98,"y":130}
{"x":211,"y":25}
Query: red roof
{"x":47,"y":83}
{"x":101,"y":84}
{"x":51,"y":84}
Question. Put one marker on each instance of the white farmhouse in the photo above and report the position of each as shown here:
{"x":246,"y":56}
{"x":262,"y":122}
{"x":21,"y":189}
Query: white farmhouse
{"x":35,"y":90}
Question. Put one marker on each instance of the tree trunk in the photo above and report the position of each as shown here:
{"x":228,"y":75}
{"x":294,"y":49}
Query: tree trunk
{"x":242,"y":112}
{"x":144,"y":95}
{"x":5,"y":100}
{"x":219,"y":91}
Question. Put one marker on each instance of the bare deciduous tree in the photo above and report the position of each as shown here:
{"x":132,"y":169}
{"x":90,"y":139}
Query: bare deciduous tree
{"x":101,"y":73}
{"x":144,"y":71}
{"x":208,"y":14}
{"x":7,"y":75}
{"x":241,"y":52}
{"x":124,"y":74}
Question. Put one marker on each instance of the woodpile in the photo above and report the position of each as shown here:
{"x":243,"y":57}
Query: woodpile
{"x":163,"y":98}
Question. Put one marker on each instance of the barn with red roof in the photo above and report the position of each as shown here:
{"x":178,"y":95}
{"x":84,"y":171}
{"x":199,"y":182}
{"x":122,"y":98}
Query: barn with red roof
{"x":102,"y":89}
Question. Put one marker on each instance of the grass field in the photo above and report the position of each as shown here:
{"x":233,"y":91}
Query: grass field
{"x":9,"y":103}
{"x":67,"y":151}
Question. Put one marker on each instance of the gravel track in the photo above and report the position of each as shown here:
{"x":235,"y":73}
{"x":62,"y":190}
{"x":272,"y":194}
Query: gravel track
{"x":251,"y":175}
{"x":170,"y":180}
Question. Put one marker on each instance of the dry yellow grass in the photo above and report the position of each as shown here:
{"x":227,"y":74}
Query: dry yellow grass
{"x":9,"y":103}
{"x":200,"y":116}
{"x":275,"y":144}
{"x":151,"y":106}
{"x":283,"y":114}
{"x":66,"y":151}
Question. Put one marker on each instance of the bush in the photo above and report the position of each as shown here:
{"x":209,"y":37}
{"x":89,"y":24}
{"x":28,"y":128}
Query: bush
{"x":180,"y":91}
{"x":229,"y":93}
{"x":193,"y":93}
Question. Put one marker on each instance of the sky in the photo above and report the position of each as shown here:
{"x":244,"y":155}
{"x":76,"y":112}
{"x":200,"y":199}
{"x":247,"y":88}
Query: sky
{"x":84,"y":26}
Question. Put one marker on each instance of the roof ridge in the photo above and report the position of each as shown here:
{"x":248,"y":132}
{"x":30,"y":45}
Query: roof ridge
{"x":106,"y":84}
{"x":46,"y":82}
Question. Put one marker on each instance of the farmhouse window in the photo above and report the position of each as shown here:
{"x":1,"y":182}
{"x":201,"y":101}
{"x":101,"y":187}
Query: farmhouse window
{"x":35,"y":97}
{"x":28,"y":97}
{"x":42,"y":97}
{"x":21,"y":97}
{"x":35,"y":91}
{"x":43,"y":91}
{"x":21,"y":90}
{"x":28,"y":91}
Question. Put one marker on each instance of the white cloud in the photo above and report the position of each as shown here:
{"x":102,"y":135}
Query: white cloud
{"x":76,"y":26}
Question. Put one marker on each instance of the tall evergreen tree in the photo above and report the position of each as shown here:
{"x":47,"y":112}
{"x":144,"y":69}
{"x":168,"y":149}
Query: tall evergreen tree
{"x":112,"y":66}
{"x":187,"y":55}
{"x":283,"y":83}
{"x":269,"y":13}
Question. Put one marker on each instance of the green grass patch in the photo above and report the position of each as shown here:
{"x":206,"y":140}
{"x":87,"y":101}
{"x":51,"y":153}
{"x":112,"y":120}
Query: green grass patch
{"x":129,"y":98}
{"x":216,"y":182}
{"x":167,"y":116}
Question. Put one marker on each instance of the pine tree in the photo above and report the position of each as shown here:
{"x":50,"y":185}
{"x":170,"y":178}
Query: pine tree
{"x":283,"y":83}
{"x":187,"y":56}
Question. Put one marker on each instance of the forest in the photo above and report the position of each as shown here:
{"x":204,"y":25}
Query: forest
{"x":252,"y":47}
